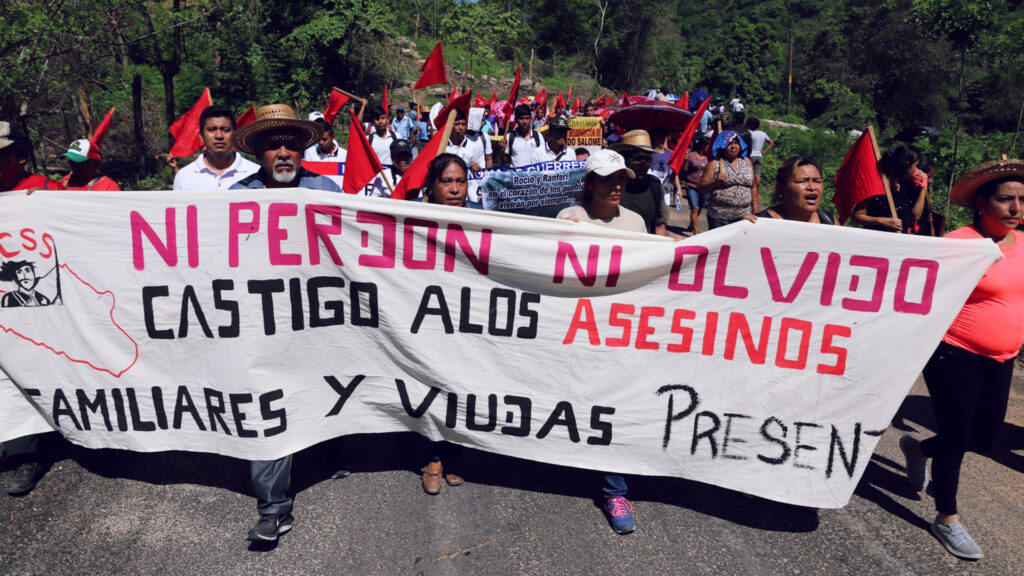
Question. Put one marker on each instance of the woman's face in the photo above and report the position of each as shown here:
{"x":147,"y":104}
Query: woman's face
{"x":1002,"y":209}
{"x":26,"y":277}
{"x":451,"y":188}
{"x":732,"y":150}
{"x":803,"y":190}
{"x":607,"y":190}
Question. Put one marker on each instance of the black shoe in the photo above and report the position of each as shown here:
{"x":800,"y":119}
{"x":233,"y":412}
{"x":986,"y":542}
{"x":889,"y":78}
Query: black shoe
{"x":270,"y":527}
{"x":24,"y":478}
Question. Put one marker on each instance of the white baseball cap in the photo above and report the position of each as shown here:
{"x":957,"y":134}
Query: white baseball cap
{"x":316,"y":116}
{"x":606,"y":162}
{"x":78,"y":151}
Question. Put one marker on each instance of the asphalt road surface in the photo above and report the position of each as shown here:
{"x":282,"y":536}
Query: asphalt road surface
{"x":115,"y":512}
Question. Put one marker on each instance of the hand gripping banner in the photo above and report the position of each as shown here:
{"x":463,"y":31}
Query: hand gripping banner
{"x":766,"y":358}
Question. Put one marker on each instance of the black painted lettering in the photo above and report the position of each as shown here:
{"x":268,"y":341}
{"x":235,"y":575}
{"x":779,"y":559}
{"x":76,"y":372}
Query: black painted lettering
{"x":730,"y":438}
{"x":61,"y":407}
{"x":466,"y":326}
{"x":138,"y":424}
{"x":233,"y":329}
{"x":673,"y":417}
{"x":183,"y":404}
{"x":239,"y":416}
{"x":800,"y":446}
{"x":335,"y":307}
{"x":528,"y":332}
{"x":562,"y":415}
{"x":424,"y":404}
{"x":266,"y":289}
{"x":189,"y":300}
{"x":269,"y":413}
{"x":766,"y":434}
{"x":709,"y":433}
{"x":598,"y":425}
{"x":215,"y":408}
{"x":371,"y":317}
{"x":148,"y":294}
{"x":441,"y":310}
{"x":99,"y":403}
{"x":343,"y":392}
{"x":524,"y":405}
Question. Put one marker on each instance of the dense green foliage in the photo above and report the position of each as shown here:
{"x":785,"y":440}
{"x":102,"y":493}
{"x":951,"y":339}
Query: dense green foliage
{"x":896,"y":63}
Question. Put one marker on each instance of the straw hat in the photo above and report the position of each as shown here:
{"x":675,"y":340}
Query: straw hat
{"x":634,"y":140}
{"x":963,"y":191}
{"x":275,"y":118}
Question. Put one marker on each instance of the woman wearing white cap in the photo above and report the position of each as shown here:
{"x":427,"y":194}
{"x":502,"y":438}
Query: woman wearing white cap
{"x":604,"y":181}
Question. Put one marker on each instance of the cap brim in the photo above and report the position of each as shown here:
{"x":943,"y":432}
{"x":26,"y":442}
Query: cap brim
{"x":609,"y":171}
{"x":962,"y":193}
{"x":248,"y":136}
{"x":75,"y":157}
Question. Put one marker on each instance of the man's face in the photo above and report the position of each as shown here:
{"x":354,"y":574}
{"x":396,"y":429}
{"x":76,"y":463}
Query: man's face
{"x":639,"y":161}
{"x":401,"y":160}
{"x":557,"y":138}
{"x":26,"y":277}
{"x":381,"y":122}
{"x":590,"y":110}
{"x":12,"y":168}
{"x":326,"y":143}
{"x":400,"y":114}
{"x":282,"y":156}
{"x":459,"y":128}
{"x":523,"y":123}
{"x":217,"y":135}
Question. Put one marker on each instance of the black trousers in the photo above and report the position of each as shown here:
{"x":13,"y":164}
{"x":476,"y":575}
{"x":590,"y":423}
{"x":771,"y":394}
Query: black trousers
{"x":969,"y":395}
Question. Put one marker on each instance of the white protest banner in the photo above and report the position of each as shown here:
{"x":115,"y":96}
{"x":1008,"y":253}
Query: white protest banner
{"x":766,"y":358}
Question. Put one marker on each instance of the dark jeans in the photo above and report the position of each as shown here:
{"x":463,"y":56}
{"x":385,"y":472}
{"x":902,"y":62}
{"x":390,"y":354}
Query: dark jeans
{"x":24,"y":449}
{"x":969,"y":395}
{"x":270,"y":482}
{"x":448,"y":454}
{"x":719,"y":222}
{"x":614,"y":485}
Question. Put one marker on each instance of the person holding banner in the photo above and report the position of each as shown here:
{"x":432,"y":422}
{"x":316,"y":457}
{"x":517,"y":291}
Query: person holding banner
{"x":798,"y":193}
{"x":728,"y":182}
{"x":899,"y":166}
{"x":219,"y":165}
{"x":969,"y":374}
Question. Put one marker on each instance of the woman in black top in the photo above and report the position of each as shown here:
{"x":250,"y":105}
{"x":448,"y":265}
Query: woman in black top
{"x":899,"y":165}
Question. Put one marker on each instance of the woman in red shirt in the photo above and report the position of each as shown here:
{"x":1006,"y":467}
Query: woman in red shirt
{"x":969,"y":374}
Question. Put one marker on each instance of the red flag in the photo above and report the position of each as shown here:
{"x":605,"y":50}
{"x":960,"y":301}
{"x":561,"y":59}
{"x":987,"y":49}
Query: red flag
{"x":510,"y":104}
{"x":679,"y":154}
{"x":97,"y":138}
{"x":568,"y":96}
{"x":480,"y":101}
{"x":684,"y":102}
{"x":559,"y":102}
{"x":246,"y":117}
{"x":362,"y":163}
{"x":624,"y":99}
{"x":334,"y":104}
{"x":324,"y":168}
{"x":433,"y":71}
{"x":541,"y":98}
{"x":858,"y":177}
{"x":493,"y":101}
{"x":460,"y":103}
{"x":416,"y":174}
{"x":454,"y":94}
{"x":576,"y":105}
{"x":387,"y":109}
{"x":185,"y":130}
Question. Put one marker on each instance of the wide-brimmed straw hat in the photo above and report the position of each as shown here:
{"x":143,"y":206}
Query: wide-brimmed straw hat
{"x":275,"y":118}
{"x":963,"y":191}
{"x":634,"y":140}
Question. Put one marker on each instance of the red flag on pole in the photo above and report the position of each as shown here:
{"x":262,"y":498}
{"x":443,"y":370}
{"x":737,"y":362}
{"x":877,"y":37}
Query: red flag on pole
{"x":416,"y":174}
{"x":679,"y":154}
{"x":493,"y":101}
{"x":334,"y":104}
{"x":433,"y":71}
{"x":684,"y":102}
{"x":559,"y":102}
{"x":480,"y":101}
{"x":454,"y":94}
{"x":246,"y":117}
{"x":362,"y":163}
{"x":387,"y":109}
{"x":460,"y":103}
{"x":541,"y":98}
{"x":568,"y":96}
{"x":97,"y":138}
{"x":185,"y":130}
{"x":510,"y":104}
{"x":858,"y":177}
{"x":576,"y":105}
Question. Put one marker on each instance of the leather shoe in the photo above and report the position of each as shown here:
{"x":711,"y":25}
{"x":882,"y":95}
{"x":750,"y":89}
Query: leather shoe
{"x":24,"y":479}
{"x":432,"y":478}
{"x":453,"y":479}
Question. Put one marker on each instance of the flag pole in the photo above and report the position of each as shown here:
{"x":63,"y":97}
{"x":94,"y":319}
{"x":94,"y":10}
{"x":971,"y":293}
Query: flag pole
{"x":885,"y":180}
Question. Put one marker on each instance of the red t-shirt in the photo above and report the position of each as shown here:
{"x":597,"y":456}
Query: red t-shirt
{"x":38,"y":181}
{"x":991,"y":323}
{"x":101,"y":184}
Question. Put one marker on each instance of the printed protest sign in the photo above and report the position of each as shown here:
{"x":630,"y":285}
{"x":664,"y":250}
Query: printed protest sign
{"x":766,"y":358}
{"x":585,"y":132}
{"x":538,"y":190}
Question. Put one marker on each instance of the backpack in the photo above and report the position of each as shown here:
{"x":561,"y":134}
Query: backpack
{"x":512,"y":138}
{"x":394,"y":135}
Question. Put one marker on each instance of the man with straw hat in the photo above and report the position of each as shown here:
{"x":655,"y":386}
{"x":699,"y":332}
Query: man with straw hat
{"x":969,"y":374}
{"x":278,"y":139}
{"x":644,"y":194}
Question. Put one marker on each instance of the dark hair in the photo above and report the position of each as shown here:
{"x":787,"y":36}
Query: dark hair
{"x":753,"y":123}
{"x":437,"y":167}
{"x":738,"y":118}
{"x":581,"y":150}
{"x":216,"y":111}
{"x":989,"y":189}
{"x":324,"y":126}
{"x":895,"y":163}
{"x":376,"y":111}
{"x":787,"y":170}
{"x":925,"y":164}
{"x":522,"y":110}
{"x":589,"y":104}
{"x":699,"y":142}
{"x":9,"y":269}
{"x":460,"y":115}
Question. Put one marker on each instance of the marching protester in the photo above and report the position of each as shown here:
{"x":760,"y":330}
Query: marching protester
{"x":84,"y":173}
{"x":659,"y":163}
{"x":401,"y":157}
{"x":277,"y":138}
{"x":382,"y":135}
{"x":523,"y":140}
{"x":899,"y":166}
{"x":760,"y":144}
{"x":219,"y":165}
{"x":403,"y":125}
{"x":424,"y":129}
{"x":557,"y":136}
{"x":643,"y":192}
{"x":604,"y":186}
{"x":693,"y":168}
{"x":969,"y":374}
{"x":471,"y":148}
{"x":728,"y":182}
{"x":799,"y":190}
{"x":326,"y":148}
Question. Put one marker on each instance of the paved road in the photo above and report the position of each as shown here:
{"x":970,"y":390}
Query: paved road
{"x":113,"y":512}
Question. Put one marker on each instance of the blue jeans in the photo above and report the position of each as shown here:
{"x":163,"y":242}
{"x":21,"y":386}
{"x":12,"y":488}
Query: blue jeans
{"x":693,"y":197}
{"x":270,"y":481}
{"x":614,"y":486}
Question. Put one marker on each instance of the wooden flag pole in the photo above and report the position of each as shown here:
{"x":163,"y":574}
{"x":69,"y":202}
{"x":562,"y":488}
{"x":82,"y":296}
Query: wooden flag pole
{"x":885,"y":180}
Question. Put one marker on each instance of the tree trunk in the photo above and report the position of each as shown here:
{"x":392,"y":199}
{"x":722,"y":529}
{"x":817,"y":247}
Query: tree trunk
{"x":140,"y":136}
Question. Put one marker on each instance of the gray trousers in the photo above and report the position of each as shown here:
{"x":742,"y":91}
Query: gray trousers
{"x":270,"y":481}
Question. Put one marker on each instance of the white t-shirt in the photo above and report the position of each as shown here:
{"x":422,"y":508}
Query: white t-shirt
{"x":757,"y":140}
{"x":378,"y":188}
{"x":659,"y":165}
{"x":625,"y":220}
{"x":520,"y":148}
{"x":546,"y":155}
{"x":382,"y":145}
{"x":313,"y":154}
{"x":472,"y":149}
{"x":197,"y":175}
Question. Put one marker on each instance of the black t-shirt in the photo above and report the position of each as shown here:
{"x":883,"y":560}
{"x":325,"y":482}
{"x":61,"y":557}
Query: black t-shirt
{"x":903,"y":200}
{"x":646,"y":197}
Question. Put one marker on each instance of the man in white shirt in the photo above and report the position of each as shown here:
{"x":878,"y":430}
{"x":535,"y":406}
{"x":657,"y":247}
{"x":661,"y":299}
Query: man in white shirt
{"x":471,"y":148}
{"x":401,"y":156}
{"x":521,"y":142}
{"x":557,"y":137}
{"x":326,"y":148}
{"x":219,"y":166}
{"x":758,"y":148}
{"x":382,"y":134}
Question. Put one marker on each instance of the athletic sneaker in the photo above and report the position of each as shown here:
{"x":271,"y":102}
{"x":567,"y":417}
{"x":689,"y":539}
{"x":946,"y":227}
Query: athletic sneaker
{"x":270,"y":527}
{"x":957,"y":540}
{"x":620,"y":514}
{"x":917,"y":470}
